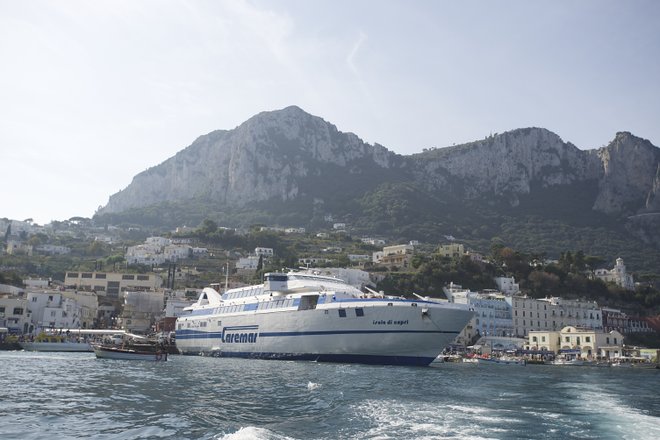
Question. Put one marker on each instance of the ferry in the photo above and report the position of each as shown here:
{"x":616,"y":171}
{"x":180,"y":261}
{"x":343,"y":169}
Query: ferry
{"x":306,"y":316}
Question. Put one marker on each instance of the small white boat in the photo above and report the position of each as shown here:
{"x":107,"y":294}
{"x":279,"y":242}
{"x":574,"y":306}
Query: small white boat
{"x":569,"y":362}
{"x":115,"y":352}
{"x":501,"y":361}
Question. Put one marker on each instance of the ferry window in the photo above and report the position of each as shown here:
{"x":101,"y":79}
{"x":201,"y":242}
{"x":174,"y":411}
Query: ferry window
{"x":342,"y":313}
{"x":202,"y":324}
{"x":359,"y":312}
{"x":219,"y":323}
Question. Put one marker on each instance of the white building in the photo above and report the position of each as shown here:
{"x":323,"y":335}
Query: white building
{"x":176,"y":252}
{"x":54,"y":309}
{"x":493,"y":315}
{"x":141,"y":311}
{"x":158,"y":241}
{"x":263,"y":252}
{"x":51,"y":249}
{"x":251,"y":262}
{"x":617,"y":275}
{"x":553,"y":314}
{"x":507,"y":285}
{"x":14,"y":315}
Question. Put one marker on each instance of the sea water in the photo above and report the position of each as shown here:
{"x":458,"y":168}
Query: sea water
{"x":76,"y":396}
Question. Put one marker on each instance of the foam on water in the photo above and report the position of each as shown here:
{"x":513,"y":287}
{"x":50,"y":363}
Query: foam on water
{"x":618,"y":418}
{"x":395,"y":419}
{"x":253,"y":433}
{"x":313,"y":386}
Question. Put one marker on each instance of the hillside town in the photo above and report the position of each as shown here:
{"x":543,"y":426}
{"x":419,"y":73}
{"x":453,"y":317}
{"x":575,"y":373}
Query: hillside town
{"x":159,"y":278}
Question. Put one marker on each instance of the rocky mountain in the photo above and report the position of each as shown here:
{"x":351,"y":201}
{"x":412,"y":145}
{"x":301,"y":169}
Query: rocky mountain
{"x":290,"y":167}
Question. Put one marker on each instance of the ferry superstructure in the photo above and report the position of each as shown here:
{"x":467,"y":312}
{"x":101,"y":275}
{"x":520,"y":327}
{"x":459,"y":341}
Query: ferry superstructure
{"x":302,"y":316}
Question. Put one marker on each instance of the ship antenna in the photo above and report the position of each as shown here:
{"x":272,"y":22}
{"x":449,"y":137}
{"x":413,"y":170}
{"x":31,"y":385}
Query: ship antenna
{"x":227,"y":274}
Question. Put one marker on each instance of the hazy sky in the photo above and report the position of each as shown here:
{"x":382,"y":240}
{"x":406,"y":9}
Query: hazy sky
{"x":94,"y":92}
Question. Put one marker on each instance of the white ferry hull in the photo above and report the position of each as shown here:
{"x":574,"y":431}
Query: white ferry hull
{"x":56,"y":346}
{"x":401,"y":333}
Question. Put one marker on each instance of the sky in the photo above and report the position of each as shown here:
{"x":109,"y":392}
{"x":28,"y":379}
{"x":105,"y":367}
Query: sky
{"x":94,"y":92}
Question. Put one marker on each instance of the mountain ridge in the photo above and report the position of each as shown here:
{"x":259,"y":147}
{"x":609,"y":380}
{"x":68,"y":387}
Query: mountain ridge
{"x":291,"y":167}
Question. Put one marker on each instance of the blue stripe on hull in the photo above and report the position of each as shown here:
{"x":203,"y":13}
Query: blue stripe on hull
{"x":325,"y":357}
{"x":193,"y":334}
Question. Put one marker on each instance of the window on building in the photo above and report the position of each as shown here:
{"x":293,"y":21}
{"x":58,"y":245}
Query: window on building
{"x":128,"y":277}
{"x":567,"y":339}
{"x":34,"y":299}
{"x":100,"y":276}
{"x":18,"y":310}
{"x":587,"y":339}
{"x":85,"y":275}
{"x":143,"y":277}
{"x":542,"y":338}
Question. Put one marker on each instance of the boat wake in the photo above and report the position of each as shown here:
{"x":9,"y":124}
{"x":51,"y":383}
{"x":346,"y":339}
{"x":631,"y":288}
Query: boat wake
{"x":253,"y":433}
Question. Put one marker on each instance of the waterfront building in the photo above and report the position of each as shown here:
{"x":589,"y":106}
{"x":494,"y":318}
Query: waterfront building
{"x":62,"y":309}
{"x":15,"y":315}
{"x":583,"y":342}
{"x":110,"y":284}
{"x":141,"y":310}
{"x":492,"y":312}
{"x":530,"y":314}
{"x":617,"y":275}
{"x":615,"y":319}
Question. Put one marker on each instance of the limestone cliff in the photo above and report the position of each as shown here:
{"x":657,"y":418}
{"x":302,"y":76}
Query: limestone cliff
{"x":275,"y":155}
